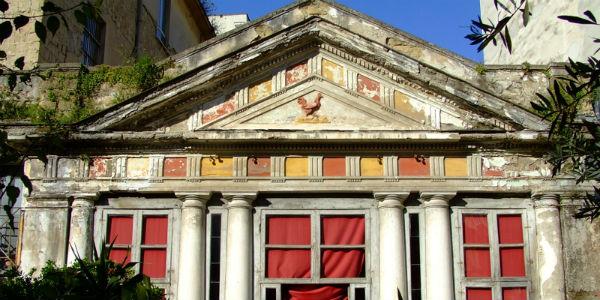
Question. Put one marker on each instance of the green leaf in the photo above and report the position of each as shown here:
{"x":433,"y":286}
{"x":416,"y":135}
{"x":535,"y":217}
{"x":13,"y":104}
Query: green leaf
{"x":50,"y":7}
{"x":526,"y":14}
{"x":53,"y":24}
{"x":2,"y":54}
{"x":40,"y":31}
{"x":20,"y":62}
{"x":5,"y":30}
{"x":12,"y":192}
{"x":3,"y":6}
{"x":577,"y":20}
{"x":590,"y":15}
{"x":20,"y":21}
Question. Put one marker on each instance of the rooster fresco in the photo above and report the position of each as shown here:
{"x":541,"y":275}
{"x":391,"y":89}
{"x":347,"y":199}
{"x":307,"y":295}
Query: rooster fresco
{"x":310,"y":109}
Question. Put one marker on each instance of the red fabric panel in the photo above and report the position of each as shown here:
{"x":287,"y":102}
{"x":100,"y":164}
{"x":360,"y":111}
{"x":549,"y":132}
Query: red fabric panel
{"x":346,"y":230}
{"x":155,"y":230}
{"x":512,"y":262}
{"x":120,"y":255}
{"x":475,"y":229}
{"x":288,"y":263}
{"x":120,"y":229}
{"x":479,"y":294}
{"x":342,"y":263}
{"x":312,"y":292}
{"x":519,"y":293}
{"x":154,"y":262}
{"x":510,"y":229}
{"x":287,"y":230}
{"x":477,"y":263}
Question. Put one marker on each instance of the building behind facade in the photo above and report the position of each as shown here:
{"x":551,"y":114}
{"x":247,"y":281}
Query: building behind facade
{"x":317,"y":152}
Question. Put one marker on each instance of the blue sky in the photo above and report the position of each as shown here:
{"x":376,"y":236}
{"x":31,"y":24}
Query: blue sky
{"x":441,"y":22}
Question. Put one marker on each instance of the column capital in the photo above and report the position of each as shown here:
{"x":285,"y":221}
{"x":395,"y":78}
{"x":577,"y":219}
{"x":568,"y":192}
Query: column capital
{"x":240,"y":199}
{"x":436,"y":199}
{"x":546,"y":199}
{"x":391,"y":199}
{"x":194,"y":199}
{"x":84,"y":199}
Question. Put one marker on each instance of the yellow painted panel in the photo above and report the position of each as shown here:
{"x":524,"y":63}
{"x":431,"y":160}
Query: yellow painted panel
{"x":296,"y":167}
{"x":333,"y":72}
{"x":403,"y":105}
{"x":138,"y":167}
{"x":456,"y":167}
{"x":260,"y":90}
{"x":216,"y":166}
{"x":371,"y":166}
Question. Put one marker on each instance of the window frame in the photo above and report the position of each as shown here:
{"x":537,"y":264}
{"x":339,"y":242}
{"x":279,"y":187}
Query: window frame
{"x":316,"y":248}
{"x":93,"y":40}
{"x":495,"y":282}
{"x":416,"y":210}
{"x":212,"y":210}
{"x":166,"y":283}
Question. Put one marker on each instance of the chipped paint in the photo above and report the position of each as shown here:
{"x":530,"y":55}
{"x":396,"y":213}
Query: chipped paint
{"x":493,"y":166}
{"x":68,"y":168}
{"x":259,"y":166}
{"x":411,"y":108}
{"x":217,"y":109}
{"x":296,"y":73}
{"x":35,"y":168}
{"x":260,"y":90}
{"x":100,"y":167}
{"x":175,"y":167}
{"x":410,"y":166}
{"x":138,"y":167}
{"x":369,"y":87}
{"x":333,"y":72}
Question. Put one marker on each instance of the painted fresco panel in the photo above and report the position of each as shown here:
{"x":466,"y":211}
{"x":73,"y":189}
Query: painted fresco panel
{"x":138,"y":167}
{"x":260,"y":90}
{"x":296,"y":166}
{"x":411,"y":166}
{"x":68,"y":168}
{"x":333,"y":72}
{"x":369,"y":87}
{"x":334,"y":166}
{"x":411,"y":108}
{"x":100,"y":167}
{"x":371,"y":167}
{"x":259,"y":166}
{"x":456,"y":167}
{"x":218,"y":108}
{"x":216,"y":166}
{"x":175,"y":167}
{"x":35,"y":168}
{"x":296,"y":73}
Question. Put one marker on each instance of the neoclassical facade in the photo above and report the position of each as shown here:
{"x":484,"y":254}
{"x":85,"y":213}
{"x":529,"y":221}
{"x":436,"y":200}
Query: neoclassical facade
{"x":312,"y":154}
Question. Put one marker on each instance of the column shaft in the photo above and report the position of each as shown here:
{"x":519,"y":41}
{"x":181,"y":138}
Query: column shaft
{"x":550,"y":270}
{"x":392,"y":250}
{"x":80,"y":230}
{"x":238,"y":274}
{"x":439,"y":283}
{"x":192,"y":250}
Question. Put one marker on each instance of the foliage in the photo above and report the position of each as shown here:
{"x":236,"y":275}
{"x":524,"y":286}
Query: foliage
{"x":99,"y":278}
{"x":575,"y":137}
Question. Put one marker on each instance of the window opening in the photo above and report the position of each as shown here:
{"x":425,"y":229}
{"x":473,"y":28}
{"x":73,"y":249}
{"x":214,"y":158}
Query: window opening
{"x":163,"y":20}
{"x":215,"y":257}
{"x":415,"y":257}
{"x":93,"y":41}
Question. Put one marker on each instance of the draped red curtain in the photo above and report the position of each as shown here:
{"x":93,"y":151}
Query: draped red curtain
{"x":335,"y":263}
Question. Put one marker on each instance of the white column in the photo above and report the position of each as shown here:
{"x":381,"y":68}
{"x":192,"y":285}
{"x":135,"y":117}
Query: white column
{"x":439,"y":282}
{"x":80,"y":230}
{"x":238,"y":271}
{"x":192,"y":250}
{"x":392,"y":250}
{"x":549,"y":252}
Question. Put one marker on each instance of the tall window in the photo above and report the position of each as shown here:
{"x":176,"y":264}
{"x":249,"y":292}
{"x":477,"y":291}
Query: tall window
{"x":314,"y":253}
{"x":494,"y":256}
{"x":92,"y":44}
{"x":215,"y":245}
{"x":163,"y":20}
{"x":143,"y":237}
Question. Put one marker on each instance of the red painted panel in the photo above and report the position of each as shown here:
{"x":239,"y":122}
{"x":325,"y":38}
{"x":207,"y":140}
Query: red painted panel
{"x":100,"y":167}
{"x":475,"y":229}
{"x":368,"y":87}
{"x":120,"y":255}
{"x":510,"y":229}
{"x":296,"y":73}
{"x":288,"y":230}
{"x":343,"y":230}
{"x":343,"y":263}
{"x":120,"y":230}
{"x":334,"y":166}
{"x":512,"y":262}
{"x":477,"y":263}
{"x":518,"y":293}
{"x":175,"y":167}
{"x":154,"y":262}
{"x":259,"y":166}
{"x":288,"y":263}
{"x":492,"y":172}
{"x":479,"y":294}
{"x":410,"y":166}
{"x":155,"y":230}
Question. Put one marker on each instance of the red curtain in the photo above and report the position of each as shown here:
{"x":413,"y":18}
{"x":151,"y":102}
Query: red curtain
{"x":316,"y":292}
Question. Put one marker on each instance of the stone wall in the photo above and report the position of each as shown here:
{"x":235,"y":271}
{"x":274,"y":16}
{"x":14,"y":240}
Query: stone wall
{"x":546,"y":39}
{"x":23,"y":42}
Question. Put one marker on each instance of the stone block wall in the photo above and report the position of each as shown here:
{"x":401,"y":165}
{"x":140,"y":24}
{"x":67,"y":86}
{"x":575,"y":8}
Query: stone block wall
{"x":23,"y":42}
